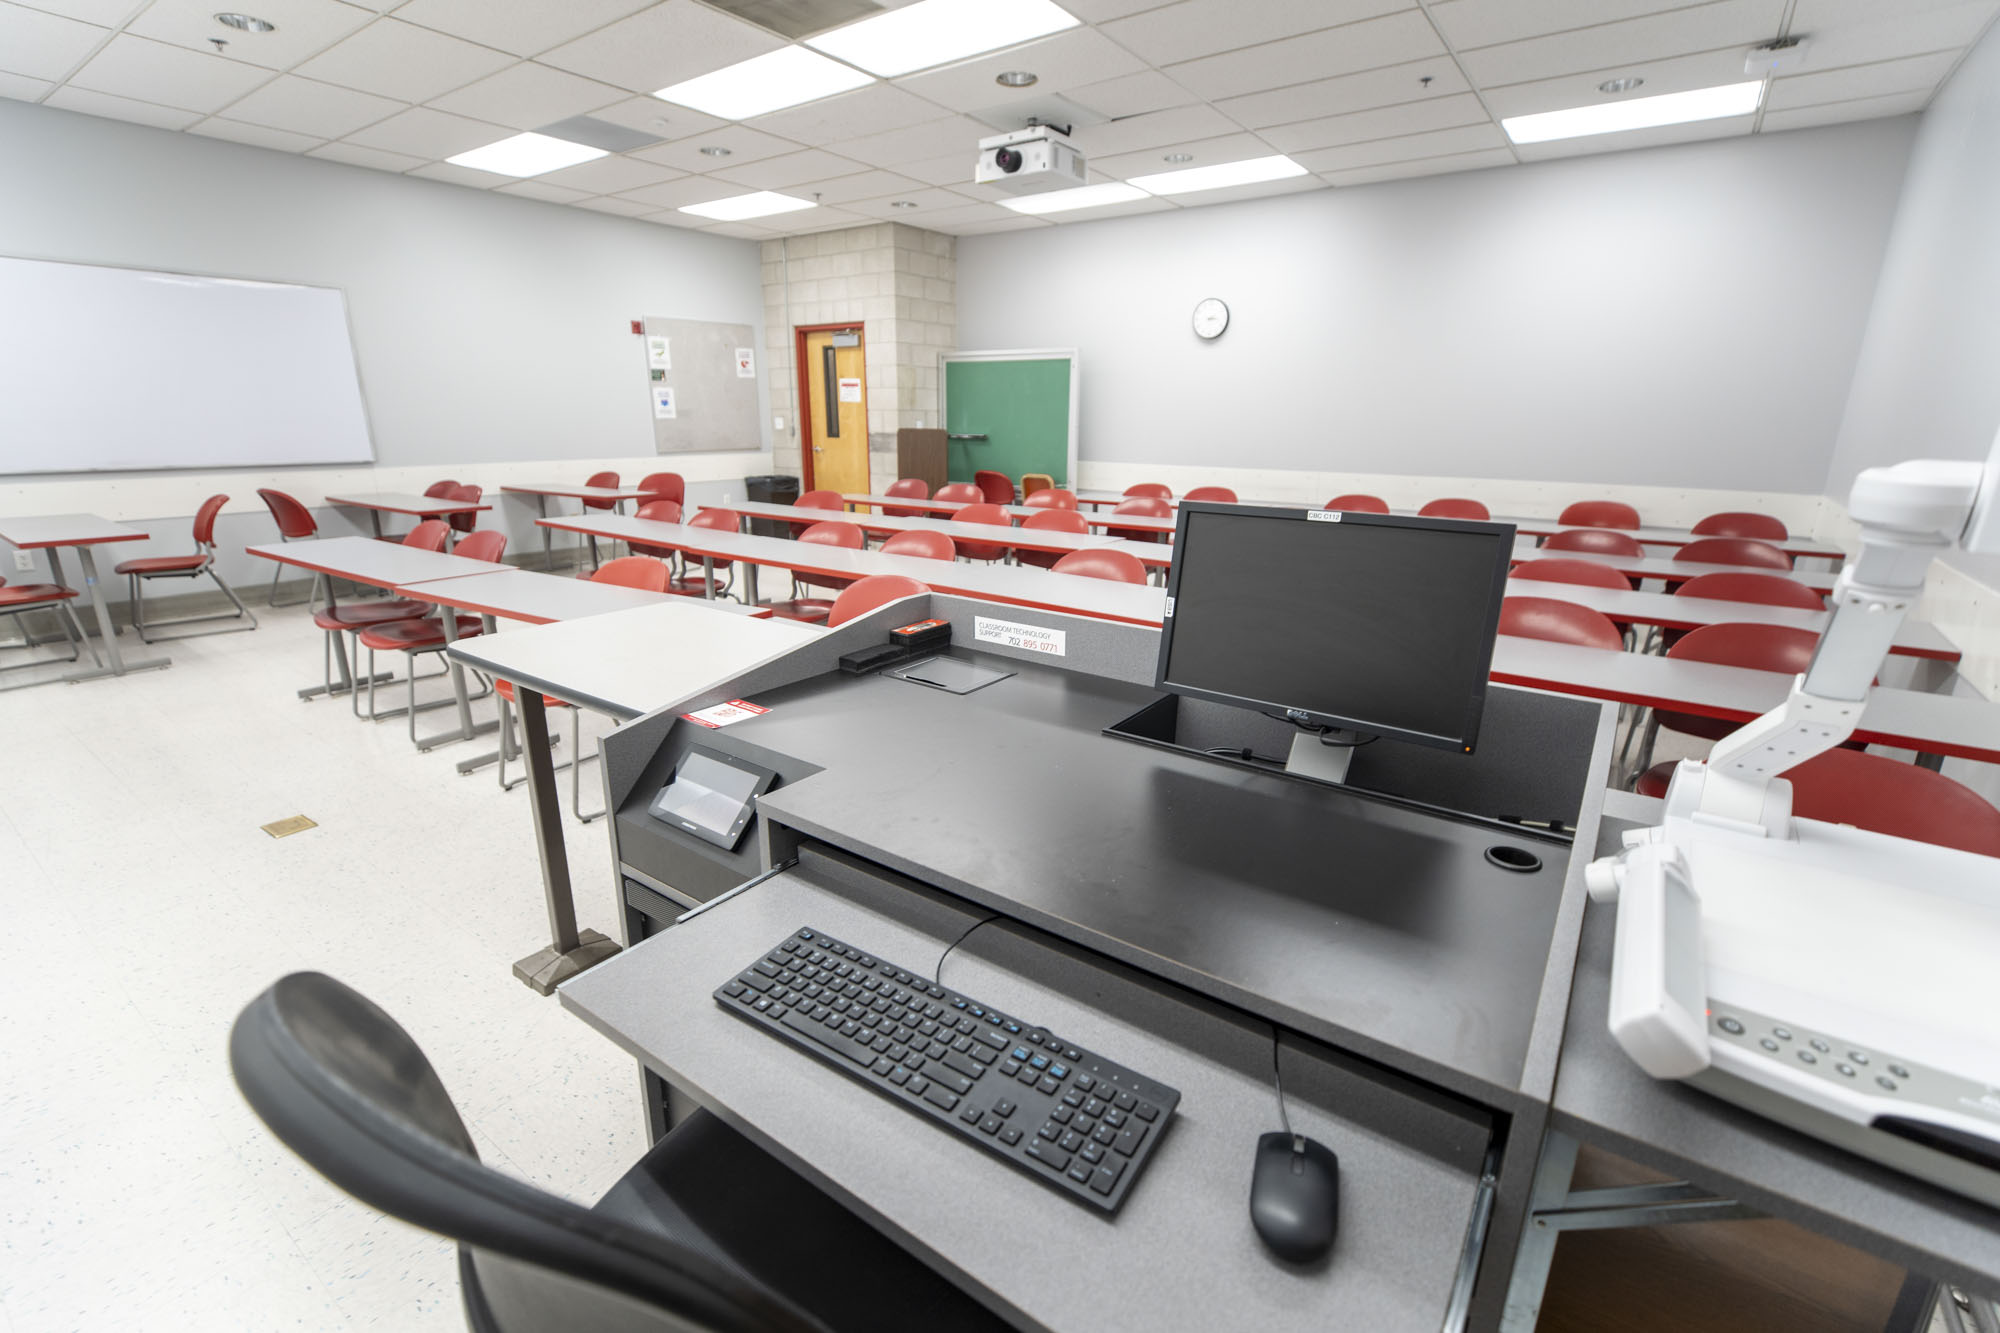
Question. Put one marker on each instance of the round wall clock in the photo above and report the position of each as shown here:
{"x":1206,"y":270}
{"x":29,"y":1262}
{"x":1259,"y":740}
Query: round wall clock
{"x":1211,"y":317}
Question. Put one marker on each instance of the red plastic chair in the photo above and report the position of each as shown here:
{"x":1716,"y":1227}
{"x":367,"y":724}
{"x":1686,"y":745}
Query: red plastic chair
{"x":1148,"y":490}
{"x":871,"y":593}
{"x":961,"y":492}
{"x":1221,"y":493}
{"x":1586,"y":572}
{"x":1117,"y":566}
{"x":1602,"y":541}
{"x":1051,"y":497}
{"x":1765,"y":647}
{"x":22,"y":598}
{"x":1359,"y":504}
{"x":991,"y":514}
{"x":1558,"y":622}
{"x":1050,"y":520}
{"x":486,"y":544}
{"x":1454,"y":507}
{"x":828,"y":500}
{"x":921,"y":542}
{"x":1734,"y":523}
{"x":911,"y":488}
{"x":644,"y":572}
{"x":689,"y":584}
{"x":1734,"y":551}
{"x":429,"y":535}
{"x":664,"y":486}
{"x":657,"y":511}
{"x":295,"y":523}
{"x":607,"y":480}
{"x":813,"y":610}
{"x":1143,"y":506}
{"x":440,"y":490}
{"x":1600,"y":514}
{"x":995,"y":486}
{"x":411,"y":638}
{"x":1763,"y":589}
{"x":138,"y":573}
{"x":334,"y":620}
{"x":466,"y":493}
{"x":1035,"y":481}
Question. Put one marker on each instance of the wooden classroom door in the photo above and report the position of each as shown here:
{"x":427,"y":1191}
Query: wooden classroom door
{"x":833,"y":363}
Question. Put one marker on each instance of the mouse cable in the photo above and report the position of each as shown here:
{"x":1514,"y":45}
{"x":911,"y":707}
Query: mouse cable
{"x":1278,"y":1081}
{"x":937,"y":973}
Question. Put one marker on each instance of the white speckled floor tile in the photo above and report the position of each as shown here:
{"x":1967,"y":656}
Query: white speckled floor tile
{"x":137,"y":1190}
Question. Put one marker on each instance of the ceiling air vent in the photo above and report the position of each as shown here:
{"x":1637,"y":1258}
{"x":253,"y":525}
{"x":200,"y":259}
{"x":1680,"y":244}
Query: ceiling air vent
{"x":799,"y":18}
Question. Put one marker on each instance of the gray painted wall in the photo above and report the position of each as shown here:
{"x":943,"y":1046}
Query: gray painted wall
{"x":1672,"y":316}
{"x":1927,"y":384}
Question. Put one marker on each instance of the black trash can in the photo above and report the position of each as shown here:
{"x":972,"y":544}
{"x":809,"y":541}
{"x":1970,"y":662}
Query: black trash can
{"x":775,"y":490}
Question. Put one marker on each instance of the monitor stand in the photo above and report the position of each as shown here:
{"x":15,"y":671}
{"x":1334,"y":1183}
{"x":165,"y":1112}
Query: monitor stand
{"x":1312,"y":757}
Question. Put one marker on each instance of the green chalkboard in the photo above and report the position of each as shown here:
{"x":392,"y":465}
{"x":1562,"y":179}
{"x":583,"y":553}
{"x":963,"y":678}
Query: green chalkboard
{"x":1021,"y":406}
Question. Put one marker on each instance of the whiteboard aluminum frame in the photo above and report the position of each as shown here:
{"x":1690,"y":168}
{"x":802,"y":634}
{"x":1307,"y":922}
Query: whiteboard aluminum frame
{"x":1071,"y":354}
{"x":354,"y":347}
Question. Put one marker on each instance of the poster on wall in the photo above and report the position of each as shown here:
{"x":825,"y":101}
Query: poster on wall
{"x":659,"y":353}
{"x":663,"y":402}
{"x":746,"y":364}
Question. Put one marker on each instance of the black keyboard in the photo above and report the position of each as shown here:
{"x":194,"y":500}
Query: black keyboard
{"x":1073,"y":1120}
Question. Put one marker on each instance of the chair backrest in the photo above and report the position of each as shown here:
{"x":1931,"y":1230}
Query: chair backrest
{"x":1116,"y":566}
{"x":846,"y":535}
{"x":1035,"y":481}
{"x":1149,"y":490}
{"x":665,"y":486}
{"x":204,"y":520}
{"x":1732,"y":523}
{"x":1764,"y":647}
{"x":660,"y":511}
{"x":1734,"y":551}
{"x":982,"y":513}
{"x":1601,"y":540}
{"x":634,"y":571}
{"x":864,"y":595}
{"x":1454,"y":507}
{"x":1586,"y":572}
{"x":1359,"y":504}
{"x":1884,"y":795}
{"x":440,"y":490}
{"x":921,"y":542}
{"x":1600,"y":514}
{"x":960,"y":492}
{"x":1222,"y":493}
{"x":293,"y":518}
{"x":486,"y":544}
{"x":606,"y":479}
{"x":341,"y":1084}
{"x":995,"y":486}
{"x":466,"y":493}
{"x":910,"y":488}
{"x":1145,"y":506}
{"x":719,"y":520}
{"x":1558,"y":622}
{"x":1763,"y":589}
{"x":1056,"y":520}
{"x":429,"y":535}
{"x":1051,"y":497}
{"x":820,"y":500}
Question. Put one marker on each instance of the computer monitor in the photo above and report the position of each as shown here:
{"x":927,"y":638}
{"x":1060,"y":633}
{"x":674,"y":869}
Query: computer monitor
{"x":1333,"y":620}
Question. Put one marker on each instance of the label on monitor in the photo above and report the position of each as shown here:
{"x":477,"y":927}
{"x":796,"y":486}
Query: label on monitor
{"x":1323,"y":515}
{"x":1030,"y":638}
{"x":721,"y":715}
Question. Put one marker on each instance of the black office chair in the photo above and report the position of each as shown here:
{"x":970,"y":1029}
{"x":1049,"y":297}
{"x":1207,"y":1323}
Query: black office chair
{"x":706,"y":1234}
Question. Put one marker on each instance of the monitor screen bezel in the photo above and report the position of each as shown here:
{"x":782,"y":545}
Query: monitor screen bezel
{"x":1502,"y":532}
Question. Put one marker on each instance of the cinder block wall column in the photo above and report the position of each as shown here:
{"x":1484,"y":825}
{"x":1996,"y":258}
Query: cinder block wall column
{"x":899,"y":283}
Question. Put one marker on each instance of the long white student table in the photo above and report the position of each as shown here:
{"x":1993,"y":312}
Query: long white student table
{"x":420,"y":507}
{"x":544,"y":491}
{"x":1028,"y":539}
{"x":1014,"y":584}
{"x":51,"y":532}
{"x":1657,"y":567}
{"x":624,"y":663}
{"x":1137,"y":522}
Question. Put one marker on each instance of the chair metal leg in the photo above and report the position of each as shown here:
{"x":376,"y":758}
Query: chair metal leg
{"x":144,"y":625}
{"x":576,"y":762}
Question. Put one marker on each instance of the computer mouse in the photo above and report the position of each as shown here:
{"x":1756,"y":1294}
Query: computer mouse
{"x":1295,"y":1196}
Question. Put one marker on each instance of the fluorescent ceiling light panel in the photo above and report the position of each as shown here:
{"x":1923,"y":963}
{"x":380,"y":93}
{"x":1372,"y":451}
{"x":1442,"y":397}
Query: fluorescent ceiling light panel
{"x":738,"y":207}
{"x":1088,"y":196}
{"x":1216,"y":177}
{"x":1639,"y":113}
{"x":527,"y":155}
{"x":932,"y":32}
{"x":770,"y":82}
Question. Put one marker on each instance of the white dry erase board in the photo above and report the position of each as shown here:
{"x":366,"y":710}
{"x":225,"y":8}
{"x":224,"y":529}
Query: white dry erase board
{"x":105,"y":369}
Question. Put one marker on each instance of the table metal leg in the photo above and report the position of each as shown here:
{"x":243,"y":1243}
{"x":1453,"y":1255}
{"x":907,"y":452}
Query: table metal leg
{"x":118,"y":666}
{"x":448,"y":619}
{"x":750,"y":583}
{"x":570,"y":950}
{"x":708,"y":577}
{"x":548,"y":552}
{"x":480,"y":761}
{"x":375,"y":521}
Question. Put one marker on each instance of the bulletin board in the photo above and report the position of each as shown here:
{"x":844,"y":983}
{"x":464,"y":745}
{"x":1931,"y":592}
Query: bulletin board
{"x":701,"y":381}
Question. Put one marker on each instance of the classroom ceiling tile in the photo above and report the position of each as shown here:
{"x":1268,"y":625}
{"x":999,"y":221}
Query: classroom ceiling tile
{"x":1865,"y":108}
{"x":1659,"y":137}
{"x":23,"y":90}
{"x":429,"y":134}
{"x":44,"y":46}
{"x":1437,"y":113}
{"x":816,"y":219}
{"x":1819,"y":15}
{"x":104,"y":13}
{"x":1428,"y":166}
{"x":1195,"y":28}
{"x":1437,"y":143}
{"x":1237,"y":147}
{"x":609,"y":175}
{"x":624,"y":208}
{"x":542,"y":190}
{"x":1708,"y":69}
{"x":452,"y":174}
{"x":1103,"y":11}
{"x":747,"y":231}
{"x":928,"y":203}
{"x":307,"y":106}
{"x":1915,"y":74}
{"x":1736,"y":23}
{"x":304,"y":28}
{"x":1891,"y":35}
{"x":523,"y":27}
{"x":743,"y":144}
{"x":1132,"y":95}
{"x":1352,"y":92}
{"x":788,"y":171}
{"x":259,"y":136}
{"x":359,"y":155}
{"x":394,"y":59}
{"x":952,"y":169}
{"x":528,"y":96}
{"x":1154,"y":130}
{"x":1012,"y":222}
{"x":1061,"y":62}
{"x":1230,"y":194}
{"x":866,"y":185}
{"x":916,"y":143}
{"x":1390,"y":40}
{"x":166,"y":75}
{"x":662,"y":46}
{"x":686,"y":190}
{"x":875,"y":109}
{"x":653,"y":116}
{"x":1469,"y":24}
{"x":121,"y":108}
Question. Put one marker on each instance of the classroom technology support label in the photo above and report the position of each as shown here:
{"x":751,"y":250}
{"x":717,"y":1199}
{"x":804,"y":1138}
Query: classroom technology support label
{"x":1031,"y":638}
